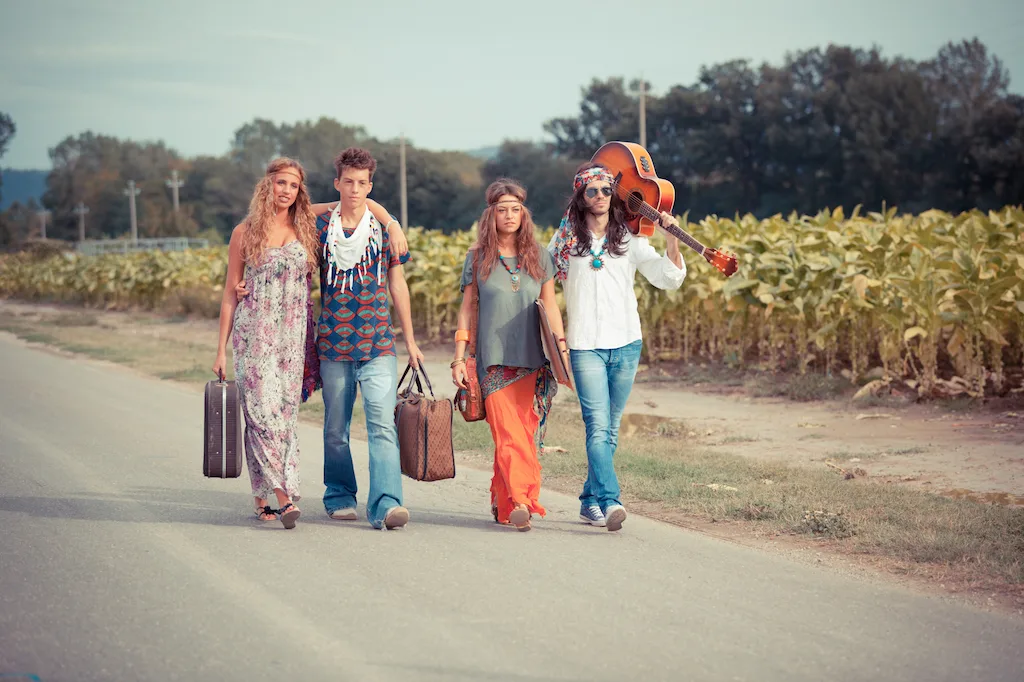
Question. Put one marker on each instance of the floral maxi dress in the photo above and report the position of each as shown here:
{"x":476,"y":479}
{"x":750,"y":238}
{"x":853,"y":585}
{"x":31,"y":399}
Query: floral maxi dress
{"x":269,"y":336}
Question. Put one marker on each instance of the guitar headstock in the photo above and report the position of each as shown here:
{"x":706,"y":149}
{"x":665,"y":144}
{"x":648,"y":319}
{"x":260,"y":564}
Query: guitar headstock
{"x":724,"y":262}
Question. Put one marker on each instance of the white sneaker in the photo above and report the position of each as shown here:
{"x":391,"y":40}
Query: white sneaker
{"x":615,"y":514}
{"x":344,"y":514}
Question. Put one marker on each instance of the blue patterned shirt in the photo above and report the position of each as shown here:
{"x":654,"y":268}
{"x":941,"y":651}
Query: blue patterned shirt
{"x":355,"y":324}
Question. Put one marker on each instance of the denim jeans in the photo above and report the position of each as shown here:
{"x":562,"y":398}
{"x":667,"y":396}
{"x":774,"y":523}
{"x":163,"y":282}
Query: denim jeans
{"x":604,"y":380}
{"x":378,"y":382}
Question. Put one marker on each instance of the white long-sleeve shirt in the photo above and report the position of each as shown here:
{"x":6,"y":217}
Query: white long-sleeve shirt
{"x":601,"y":304}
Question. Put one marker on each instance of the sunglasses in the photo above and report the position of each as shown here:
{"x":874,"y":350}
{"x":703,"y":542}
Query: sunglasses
{"x":591,"y":192}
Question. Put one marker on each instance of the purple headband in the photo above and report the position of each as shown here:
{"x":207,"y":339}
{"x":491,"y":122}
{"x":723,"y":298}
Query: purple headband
{"x":589,"y":175}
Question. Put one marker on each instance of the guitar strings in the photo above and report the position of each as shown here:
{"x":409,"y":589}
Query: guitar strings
{"x":638,"y":204}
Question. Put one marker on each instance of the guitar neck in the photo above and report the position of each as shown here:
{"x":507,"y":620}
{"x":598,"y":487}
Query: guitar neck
{"x":647,"y":211}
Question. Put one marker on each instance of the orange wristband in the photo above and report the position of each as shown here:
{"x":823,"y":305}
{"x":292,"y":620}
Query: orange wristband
{"x":462,"y":335}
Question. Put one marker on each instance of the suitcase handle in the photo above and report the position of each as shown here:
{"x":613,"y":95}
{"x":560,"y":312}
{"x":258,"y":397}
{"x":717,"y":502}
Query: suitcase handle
{"x":423,"y":371}
{"x":415,"y":379}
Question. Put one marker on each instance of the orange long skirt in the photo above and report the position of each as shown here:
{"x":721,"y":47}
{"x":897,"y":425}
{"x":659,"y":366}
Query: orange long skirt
{"x":514,"y":421}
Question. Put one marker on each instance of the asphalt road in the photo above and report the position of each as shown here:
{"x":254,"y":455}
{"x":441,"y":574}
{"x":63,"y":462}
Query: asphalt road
{"x":119,"y":561}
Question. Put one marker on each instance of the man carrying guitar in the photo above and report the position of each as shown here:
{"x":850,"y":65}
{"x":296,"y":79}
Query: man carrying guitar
{"x":596,"y":259}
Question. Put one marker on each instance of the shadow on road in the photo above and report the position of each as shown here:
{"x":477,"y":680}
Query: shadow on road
{"x":220,"y":508}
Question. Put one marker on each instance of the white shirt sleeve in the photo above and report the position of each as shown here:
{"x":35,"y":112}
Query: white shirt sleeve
{"x":551,"y":244}
{"x":660,"y":271}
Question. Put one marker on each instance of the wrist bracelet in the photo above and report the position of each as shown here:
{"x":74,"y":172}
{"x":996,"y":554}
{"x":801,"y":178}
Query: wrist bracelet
{"x":457,"y":361}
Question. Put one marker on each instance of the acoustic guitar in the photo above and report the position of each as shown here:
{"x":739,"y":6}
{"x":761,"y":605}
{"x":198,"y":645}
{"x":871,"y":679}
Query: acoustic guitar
{"x":646,"y":196}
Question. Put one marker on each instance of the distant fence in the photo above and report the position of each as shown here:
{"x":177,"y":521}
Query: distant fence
{"x":96,"y":247}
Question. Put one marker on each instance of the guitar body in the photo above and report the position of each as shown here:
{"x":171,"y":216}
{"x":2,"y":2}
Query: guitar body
{"x":638,"y":182}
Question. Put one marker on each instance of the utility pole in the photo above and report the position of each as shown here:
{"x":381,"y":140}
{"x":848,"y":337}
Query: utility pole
{"x":404,"y":203}
{"x":131,"y":192}
{"x":175,"y":184}
{"x":43,"y":215}
{"x":643,"y":113}
{"x":80,"y":210}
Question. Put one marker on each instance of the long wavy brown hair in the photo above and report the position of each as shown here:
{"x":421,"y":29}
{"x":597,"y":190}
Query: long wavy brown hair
{"x":262,"y":211}
{"x":487,"y":232}
{"x":617,"y":228}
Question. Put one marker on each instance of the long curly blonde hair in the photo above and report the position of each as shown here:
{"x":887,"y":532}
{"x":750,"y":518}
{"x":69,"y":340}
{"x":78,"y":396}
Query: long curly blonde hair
{"x":261,"y":215}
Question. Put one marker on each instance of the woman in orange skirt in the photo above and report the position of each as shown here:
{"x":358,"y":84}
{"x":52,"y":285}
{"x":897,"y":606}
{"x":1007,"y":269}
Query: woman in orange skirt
{"x":509,"y":270}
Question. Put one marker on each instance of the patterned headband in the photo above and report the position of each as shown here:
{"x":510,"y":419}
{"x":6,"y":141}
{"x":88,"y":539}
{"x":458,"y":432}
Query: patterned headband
{"x":589,"y":175}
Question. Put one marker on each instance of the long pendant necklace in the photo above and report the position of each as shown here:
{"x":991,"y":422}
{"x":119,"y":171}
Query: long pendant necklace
{"x":514,"y":274}
{"x":597,"y":259}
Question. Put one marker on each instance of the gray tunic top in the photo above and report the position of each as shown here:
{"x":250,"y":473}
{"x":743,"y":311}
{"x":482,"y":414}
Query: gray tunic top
{"x":508,"y":331}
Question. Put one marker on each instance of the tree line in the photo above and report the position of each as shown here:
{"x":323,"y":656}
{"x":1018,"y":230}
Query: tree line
{"x":829,"y":127}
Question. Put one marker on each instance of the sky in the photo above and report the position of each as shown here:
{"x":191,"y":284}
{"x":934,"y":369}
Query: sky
{"x":449,"y":74}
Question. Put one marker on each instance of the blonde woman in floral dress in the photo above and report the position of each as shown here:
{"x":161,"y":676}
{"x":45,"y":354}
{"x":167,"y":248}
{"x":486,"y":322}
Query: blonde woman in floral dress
{"x":274,"y":251}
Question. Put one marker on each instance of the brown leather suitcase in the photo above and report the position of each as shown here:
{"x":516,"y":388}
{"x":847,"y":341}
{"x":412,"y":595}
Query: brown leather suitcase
{"x":222,"y":428}
{"x":424,"y":431}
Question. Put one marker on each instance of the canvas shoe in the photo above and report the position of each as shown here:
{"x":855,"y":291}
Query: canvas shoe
{"x":395,"y":518}
{"x":593,"y":515}
{"x":344,"y":514}
{"x":615,"y":515}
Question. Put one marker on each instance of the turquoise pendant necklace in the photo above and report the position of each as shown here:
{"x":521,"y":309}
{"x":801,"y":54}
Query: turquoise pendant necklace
{"x":597,"y":259}
{"x":514,"y":274}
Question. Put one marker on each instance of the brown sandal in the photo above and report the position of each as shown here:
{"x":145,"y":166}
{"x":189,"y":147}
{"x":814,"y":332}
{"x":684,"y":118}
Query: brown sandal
{"x":520,"y":518}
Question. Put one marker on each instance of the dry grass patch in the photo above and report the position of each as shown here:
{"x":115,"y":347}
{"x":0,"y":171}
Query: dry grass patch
{"x":986,"y":541}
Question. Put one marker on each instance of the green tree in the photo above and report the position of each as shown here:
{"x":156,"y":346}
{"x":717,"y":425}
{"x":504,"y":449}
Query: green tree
{"x":220,"y":190}
{"x":95,"y":169}
{"x":547,"y":178}
{"x":18,"y":223}
{"x":608,"y":111}
{"x":977,"y":146}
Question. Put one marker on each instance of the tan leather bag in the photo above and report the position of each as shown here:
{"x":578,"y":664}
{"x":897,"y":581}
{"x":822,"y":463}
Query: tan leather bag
{"x":424,"y":431}
{"x":471,"y":401}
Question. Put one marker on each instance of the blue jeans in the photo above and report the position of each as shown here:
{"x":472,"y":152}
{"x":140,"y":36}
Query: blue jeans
{"x":378,"y":382}
{"x":604,"y":379}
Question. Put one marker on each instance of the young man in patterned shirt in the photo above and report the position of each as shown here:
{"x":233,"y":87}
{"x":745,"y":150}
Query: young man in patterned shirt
{"x":356,"y":345}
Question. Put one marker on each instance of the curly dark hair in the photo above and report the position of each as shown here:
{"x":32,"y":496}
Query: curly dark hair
{"x":355,"y":157}
{"x":617,"y":228}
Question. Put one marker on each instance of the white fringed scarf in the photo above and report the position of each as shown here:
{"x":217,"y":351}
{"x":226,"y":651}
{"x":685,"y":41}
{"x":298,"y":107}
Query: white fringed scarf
{"x":349,"y":257}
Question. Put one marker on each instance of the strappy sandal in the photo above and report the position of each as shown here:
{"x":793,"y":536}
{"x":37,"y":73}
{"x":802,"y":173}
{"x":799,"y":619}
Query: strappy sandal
{"x":289,"y":515}
{"x":265,"y":513}
{"x":520,"y":518}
